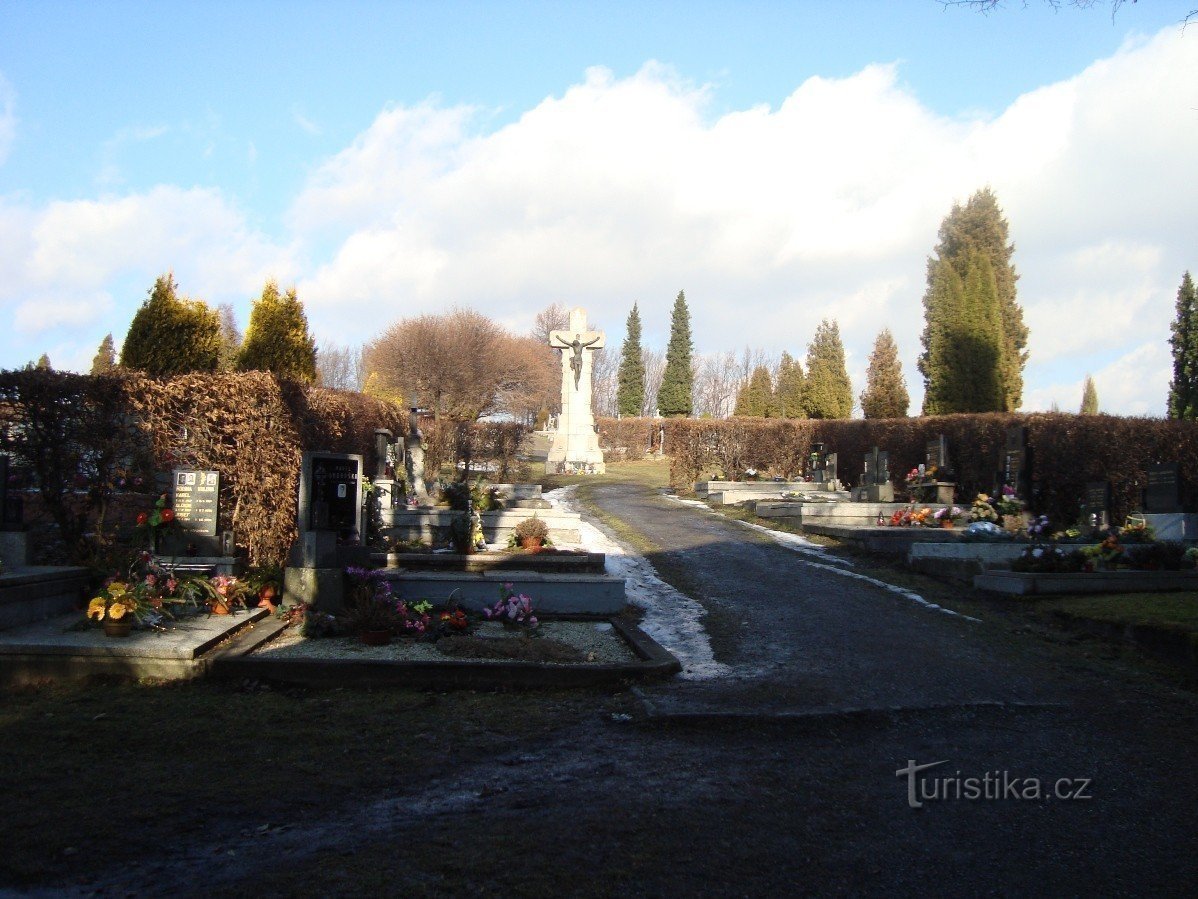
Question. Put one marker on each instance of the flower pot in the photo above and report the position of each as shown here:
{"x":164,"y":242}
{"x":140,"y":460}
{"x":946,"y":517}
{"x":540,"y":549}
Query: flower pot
{"x":532,"y":544}
{"x":118,"y":627}
{"x":380,"y":637}
{"x":219,"y":608}
{"x":947,"y":523}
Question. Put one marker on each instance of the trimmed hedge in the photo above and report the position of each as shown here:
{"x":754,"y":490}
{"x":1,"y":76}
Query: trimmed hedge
{"x":1068,"y":450}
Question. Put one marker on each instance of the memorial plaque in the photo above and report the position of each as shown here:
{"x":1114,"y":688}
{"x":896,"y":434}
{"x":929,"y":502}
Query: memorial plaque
{"x":331,"y":494}
{"x":830,"y":467}
{"x":877,"y":468}
{"x":1163,"y":493}
{"x":196,"y":501}
{"x":1096,"y":504}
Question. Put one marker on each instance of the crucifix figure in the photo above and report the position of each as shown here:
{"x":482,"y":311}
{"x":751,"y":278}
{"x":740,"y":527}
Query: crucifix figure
{"x":576,"y":346}
{"x":575,"y":444}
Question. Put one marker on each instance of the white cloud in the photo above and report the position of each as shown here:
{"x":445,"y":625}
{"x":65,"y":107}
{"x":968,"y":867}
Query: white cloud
{"x":74,"y":270}
{"x":304,"y":123}
{"x":771,"y":219}
{"x":628,"y":189}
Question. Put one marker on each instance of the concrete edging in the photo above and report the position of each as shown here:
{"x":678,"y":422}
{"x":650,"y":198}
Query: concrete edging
{"x":655,"y":661}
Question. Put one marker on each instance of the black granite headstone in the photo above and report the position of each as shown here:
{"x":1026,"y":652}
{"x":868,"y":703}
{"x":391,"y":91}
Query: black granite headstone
{"x":331,"y":494}
{"x":196,"y":501}
{"x":1163,"y":493}
{"x":1016,"y":468}
{"x":937,"y":454}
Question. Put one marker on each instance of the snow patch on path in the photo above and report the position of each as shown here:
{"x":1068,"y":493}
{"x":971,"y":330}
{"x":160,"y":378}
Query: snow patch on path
{"x":828,"y":562}
{"x":673,"y":619}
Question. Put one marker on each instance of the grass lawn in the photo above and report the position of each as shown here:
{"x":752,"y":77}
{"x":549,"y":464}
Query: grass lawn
{"x":1168,"y":611}
{"x":93,"y":770}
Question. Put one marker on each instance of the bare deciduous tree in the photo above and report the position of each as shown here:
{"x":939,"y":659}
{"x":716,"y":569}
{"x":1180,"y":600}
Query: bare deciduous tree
{"x":461,"y":365}
{"x":655,"y":369}
{"x":339,"y":367}
{"x":717,"y":380}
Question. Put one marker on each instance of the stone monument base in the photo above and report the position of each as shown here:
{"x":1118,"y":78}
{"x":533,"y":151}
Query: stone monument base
{"x":575,"y":468}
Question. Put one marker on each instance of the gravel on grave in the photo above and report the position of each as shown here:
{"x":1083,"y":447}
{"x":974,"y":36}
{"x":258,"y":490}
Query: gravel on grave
{"x":588,"y":637}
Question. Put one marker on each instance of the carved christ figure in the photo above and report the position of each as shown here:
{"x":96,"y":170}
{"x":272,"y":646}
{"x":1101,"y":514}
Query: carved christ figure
{"x":577,"y":346}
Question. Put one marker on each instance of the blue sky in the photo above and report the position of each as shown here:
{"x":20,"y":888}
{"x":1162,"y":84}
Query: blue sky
{"x":396,"y":158}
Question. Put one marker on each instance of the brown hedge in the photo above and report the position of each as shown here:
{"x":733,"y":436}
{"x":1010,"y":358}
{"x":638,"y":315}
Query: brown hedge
{"x":1067,"y":450}
{"x":250,"y":427}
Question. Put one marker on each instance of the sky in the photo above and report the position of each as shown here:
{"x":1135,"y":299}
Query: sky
{"x":781,"y":162}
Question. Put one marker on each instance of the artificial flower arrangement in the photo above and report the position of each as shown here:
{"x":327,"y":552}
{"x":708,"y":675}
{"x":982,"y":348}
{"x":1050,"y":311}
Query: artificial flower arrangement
{"x":156,"y":519}
{"x":148,"y":593}
{"x":513,"y":610}
{"x":983,"y":509}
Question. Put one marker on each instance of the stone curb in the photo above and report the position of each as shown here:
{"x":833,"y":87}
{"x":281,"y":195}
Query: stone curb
{"x":655,"y":662}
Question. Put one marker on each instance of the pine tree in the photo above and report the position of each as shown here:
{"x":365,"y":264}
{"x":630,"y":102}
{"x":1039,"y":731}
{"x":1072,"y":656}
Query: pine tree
{"x":829,"y":391}
{"x":756,"y":395}
{"x":43,"y":363}
{"x":630,"y":394}
{"x":105,"y":359}
{"x":1089,"y":398}
{"x":277,"y":338}
{"x":980,"y":345}
{"x":979,"y":228}
{"x":885,"y":394}
{"x":1183,"y":389}
{"x":677,"y":383}
{"x":171,"y":336}
{"x":230,"y":337}
{"x":789,"y":394}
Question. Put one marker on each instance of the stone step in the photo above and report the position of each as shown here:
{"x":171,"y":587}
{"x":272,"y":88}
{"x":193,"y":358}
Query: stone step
{"x":34,"y":593}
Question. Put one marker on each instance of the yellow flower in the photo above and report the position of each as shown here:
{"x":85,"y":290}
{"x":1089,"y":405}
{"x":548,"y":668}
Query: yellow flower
{"x":95,"y":608}
{"x":117,"y":590}
{"x":117,"y":611}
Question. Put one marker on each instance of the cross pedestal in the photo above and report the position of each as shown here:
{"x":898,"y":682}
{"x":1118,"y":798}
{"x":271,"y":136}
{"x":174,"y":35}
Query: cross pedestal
{"x":575,"y":447}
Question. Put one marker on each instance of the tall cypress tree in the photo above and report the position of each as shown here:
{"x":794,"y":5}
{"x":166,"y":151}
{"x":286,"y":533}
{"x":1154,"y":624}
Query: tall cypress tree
{"x":1183,"y":389}
{"x":1089,"y":398}
{"x":677,"y":383}
{"x":171,"y":336}
{"x":630,"y":394}
{"x":885,"y":394}
{"x":789,"y":395}
{"x":978,"y":227}
{"x":756,"y":395}
{"x":105,"y":359}
{"x":980,"y":345}
{"x":277,"y":338}
{"x":829,"y":390}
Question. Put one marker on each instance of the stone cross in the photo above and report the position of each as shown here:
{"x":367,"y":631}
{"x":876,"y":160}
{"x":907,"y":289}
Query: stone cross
{"x":575,"y":445}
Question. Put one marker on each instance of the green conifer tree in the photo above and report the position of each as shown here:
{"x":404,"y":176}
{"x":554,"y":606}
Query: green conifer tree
{"x":885,"y":394}
{"x":1089,"y":398}
{"x":43,"y":363}
{"x":171,"y":336}
{"x":105,"y":359}
{"x":756,"y":395}
{"x":630,"y":392}
{"x":277,"y":338}
{"x":675,"y":397}
{"x":829,"y":390}
{"x":979,"y":227}
{"x":789,"y":393}
{"x":1183,"y":339}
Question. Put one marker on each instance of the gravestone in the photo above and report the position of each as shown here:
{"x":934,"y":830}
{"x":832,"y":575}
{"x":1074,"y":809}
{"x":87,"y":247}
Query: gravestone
{"x":1096,"y":505}
{"x":937,"y":456}
{"x":1017,"y":463}
{"x":575,"y":448}
{"x":331,"y":495}
{"x":1163,"y":493}
{"x":196,"y":500}
{"x":14,"y":548}
{"x":875,"y":482}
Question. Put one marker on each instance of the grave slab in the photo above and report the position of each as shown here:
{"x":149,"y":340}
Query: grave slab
{"x":1026,"y":583}
{"x":552,"y":594}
